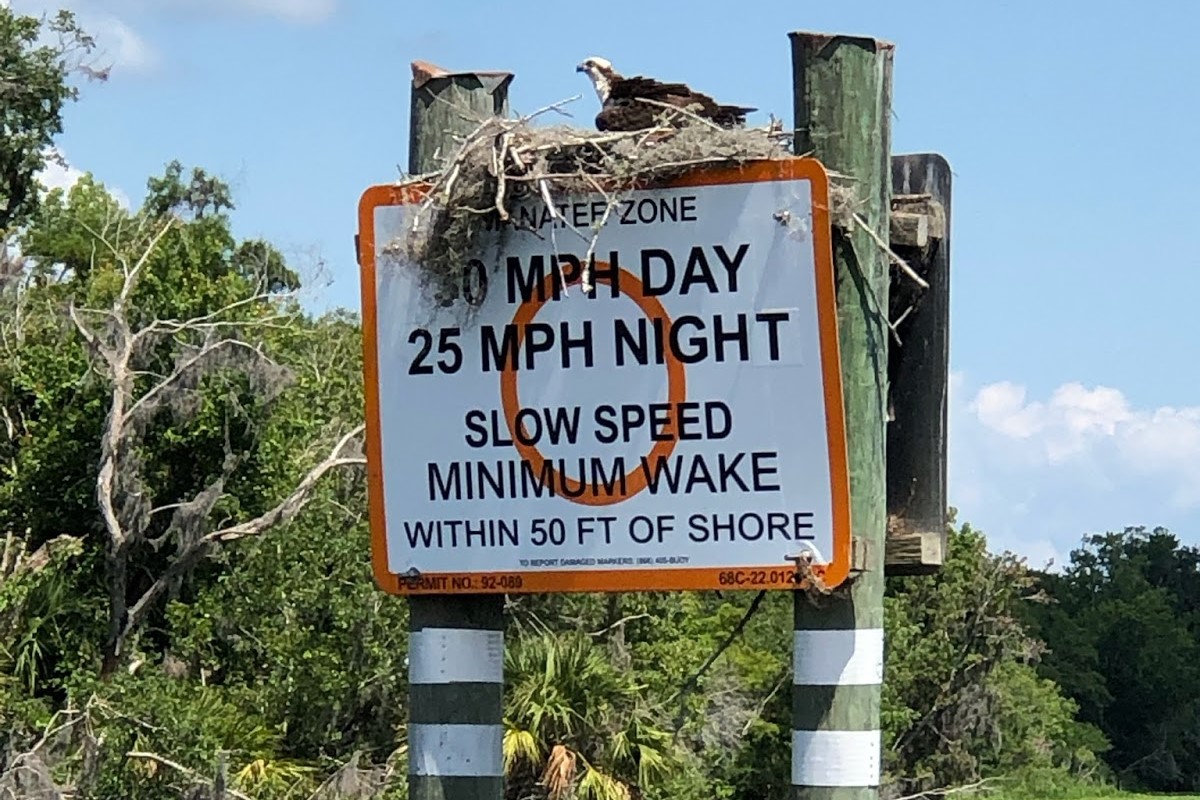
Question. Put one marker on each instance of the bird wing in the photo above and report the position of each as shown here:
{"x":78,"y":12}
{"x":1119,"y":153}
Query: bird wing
{"x":639,"y":87}
{"x":680,"y":95}
{"x":627,"y":116}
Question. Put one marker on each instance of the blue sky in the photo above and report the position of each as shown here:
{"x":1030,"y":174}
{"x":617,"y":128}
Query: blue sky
{"x":1076,"y":397}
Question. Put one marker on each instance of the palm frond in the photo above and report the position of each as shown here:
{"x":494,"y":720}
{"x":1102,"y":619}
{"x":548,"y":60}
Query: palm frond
{"x":520,"y":746}
{"x":560,"y":772}
{"x":595,"y":784}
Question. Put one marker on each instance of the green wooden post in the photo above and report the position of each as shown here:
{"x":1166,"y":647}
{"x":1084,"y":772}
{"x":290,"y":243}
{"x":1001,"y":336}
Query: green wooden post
{"x":456,"y":642}
{"x":842,"y":88}
{"x":444,"y":105}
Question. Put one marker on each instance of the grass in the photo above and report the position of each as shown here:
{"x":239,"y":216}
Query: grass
{"x":1055,"y":785}
{"x":1084,"y":793}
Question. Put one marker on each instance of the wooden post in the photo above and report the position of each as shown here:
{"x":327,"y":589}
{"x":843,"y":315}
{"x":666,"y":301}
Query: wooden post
{"x":456,"y":643}
{"x":443,"y":105}
{"x":919,"y":366}
{"x":842,"y":88}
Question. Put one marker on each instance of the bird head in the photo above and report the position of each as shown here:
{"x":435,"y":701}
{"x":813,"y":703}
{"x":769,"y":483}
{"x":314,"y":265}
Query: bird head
{"x":601,"y":73}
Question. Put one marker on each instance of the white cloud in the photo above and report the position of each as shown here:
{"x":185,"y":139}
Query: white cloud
{"x":117,"y":43}
{"x":1098,"y":427}
{"x":121,"y":45}
{"x":1002,"y":406}
{"x":1036,"y":474}
{"x":1167,"y":441}
{"x":305,"y":12}
{"x":57,"y":175}
{"x":1065,"y":426}
{"x":60,"y":174}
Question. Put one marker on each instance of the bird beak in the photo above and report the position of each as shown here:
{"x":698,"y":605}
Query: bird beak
{"x":580,"y":68}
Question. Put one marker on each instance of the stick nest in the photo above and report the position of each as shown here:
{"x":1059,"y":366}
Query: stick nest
{"x":507,"y":161}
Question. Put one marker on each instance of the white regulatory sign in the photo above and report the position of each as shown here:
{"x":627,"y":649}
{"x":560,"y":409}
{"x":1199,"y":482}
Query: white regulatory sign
{"x":678,"y":427}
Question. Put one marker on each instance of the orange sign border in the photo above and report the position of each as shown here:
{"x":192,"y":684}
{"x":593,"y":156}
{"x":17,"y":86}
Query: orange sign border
{"x":622,"y":580}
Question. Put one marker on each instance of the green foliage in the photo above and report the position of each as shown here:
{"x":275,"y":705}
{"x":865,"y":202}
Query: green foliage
{"x":297,"y":617}
{"x":188,"y":724}
{"x":33,"y":91}
{"x":291,"y":681}
{"x":1123,"y":630}
{"x":157,"y":651}
{"x":575,"y":719}
{"x":961,"y":696}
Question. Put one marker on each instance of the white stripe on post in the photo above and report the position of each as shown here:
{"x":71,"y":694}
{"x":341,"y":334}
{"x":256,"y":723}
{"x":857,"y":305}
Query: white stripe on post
{"x":838,"y":657}
{"x":835,"y":758}
{"x":455,"y":655}
{"x":450,"y":751}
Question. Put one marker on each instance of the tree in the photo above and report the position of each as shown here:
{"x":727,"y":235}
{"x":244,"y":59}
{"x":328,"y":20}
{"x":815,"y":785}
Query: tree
{"x":175,"y":318}
{"x":574,"y":724}
{"x":962,"y":698}
{"x":1123,"y":633}
{"x":33,"y":91}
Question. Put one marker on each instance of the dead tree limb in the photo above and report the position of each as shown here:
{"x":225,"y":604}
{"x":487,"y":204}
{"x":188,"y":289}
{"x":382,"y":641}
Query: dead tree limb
{"x":188,"y":773}
{"x":124,"y":346}
{"x":284,"y":512}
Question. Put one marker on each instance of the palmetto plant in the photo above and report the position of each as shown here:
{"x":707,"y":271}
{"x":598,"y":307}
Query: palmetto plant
{"x":576,"y":727}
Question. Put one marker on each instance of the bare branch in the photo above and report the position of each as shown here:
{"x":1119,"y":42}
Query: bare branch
{"x":897,"y":260}
{"x":295,"y":502}
{"x":131,"y":272}
{"x":681,"y":111}
{"x":619,"y":623}
{"x":182,"y":369}
{"x":132,"y":275}
{"x":284,"y":512}
{"x":85,"y":331}
{"x":766,"y":701}
{"x":555,"y":107}
{"x":970,"y":787}
{"x":213,"y":319}
{"x":191,"y":774}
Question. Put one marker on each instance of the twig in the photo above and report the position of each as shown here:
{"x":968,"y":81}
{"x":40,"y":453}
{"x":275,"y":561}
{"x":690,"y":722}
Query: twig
{"x":903,"y":316}
{"x":609,"y":205}
{"x":619,"y":623}
{"x":680,"y":110}
{"x":970,"y":787}
{"x":883,"y":312}
{"x":548,"y":199}
{"x":498,"y":164}
{"x":196,"y":777}
{"x":544,"y":189}
{"x":891,"y":326}
{"x":606,"y":138}
{"x":897,"y":260}
{"x":212,"y":319}
{"x":53,"y":730}
{"x":557,"y":107}
{"x":283,"y":512}
{"x":690,"y":684}
{"x":766,"y":701}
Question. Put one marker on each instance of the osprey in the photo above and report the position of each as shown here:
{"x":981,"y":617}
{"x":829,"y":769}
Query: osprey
{"x":620,"y":109}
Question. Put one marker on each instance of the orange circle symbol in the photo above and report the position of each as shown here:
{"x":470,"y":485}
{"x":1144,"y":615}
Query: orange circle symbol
{"x":637,"y":480}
